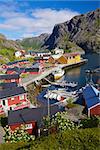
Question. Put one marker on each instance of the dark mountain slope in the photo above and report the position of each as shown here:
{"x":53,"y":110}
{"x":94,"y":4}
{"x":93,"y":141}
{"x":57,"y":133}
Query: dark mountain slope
{"x":82,"y":30}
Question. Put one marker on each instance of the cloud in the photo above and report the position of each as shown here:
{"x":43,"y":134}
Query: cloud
{"x":34,"y":23}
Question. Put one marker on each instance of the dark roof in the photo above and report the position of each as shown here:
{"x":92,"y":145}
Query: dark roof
{"x":30,"y":114}
{"x":16,"y":69}
{"x":36,"y":65}
{"x":31,"y":69}
{"x":9,"y":76}
{"x":11,"y":92}
{"x":14,"y":62}
{"x":91,"y":96}
{"x":8,"y":85}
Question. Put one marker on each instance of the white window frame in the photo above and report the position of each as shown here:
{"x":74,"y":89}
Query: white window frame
{"x":28,"y":126}
{"x":21,"y":97}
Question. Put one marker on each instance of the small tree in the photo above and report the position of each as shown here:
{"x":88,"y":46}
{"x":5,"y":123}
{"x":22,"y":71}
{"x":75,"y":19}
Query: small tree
{"x":61,"y":121}
{"x":17,"y":135}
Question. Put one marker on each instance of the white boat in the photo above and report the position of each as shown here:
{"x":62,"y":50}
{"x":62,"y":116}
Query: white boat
{"x":59,"y":94}
{"x":58,"y":73}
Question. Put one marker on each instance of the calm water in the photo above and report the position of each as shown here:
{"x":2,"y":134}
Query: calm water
{"x":78,"y":74}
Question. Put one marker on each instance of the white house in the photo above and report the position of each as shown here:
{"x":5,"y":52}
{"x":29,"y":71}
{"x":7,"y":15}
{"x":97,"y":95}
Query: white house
{"x":18,"y":54}
{"x":58,"y":51}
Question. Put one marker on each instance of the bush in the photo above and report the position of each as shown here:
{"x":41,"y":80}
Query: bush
{"x":91,"y":122}
{"x":60,"y":121}
{"x":17,"y":135}
{"x":80,"y":139}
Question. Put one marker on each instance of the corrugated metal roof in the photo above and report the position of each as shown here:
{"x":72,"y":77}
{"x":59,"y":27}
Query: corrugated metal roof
{"x":30,"y":114}
{"x":17,"y":61}
{"x":17,"y":69}
{"x":8,"y":85}
{"x":9,"y":76}
{"x":12,"y":92}
{"x":91,"y":96}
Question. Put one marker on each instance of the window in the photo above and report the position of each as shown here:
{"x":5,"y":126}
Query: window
{"x":4,"y":102}
{"x":10,"y":108}
{"x":21,"y":97}
{"x":28,"y":126}
{"x":12,"y":80}
{"x":12,"y":98}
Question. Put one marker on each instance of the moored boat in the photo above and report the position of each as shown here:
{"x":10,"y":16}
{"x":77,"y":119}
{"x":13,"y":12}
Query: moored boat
{"x":60,"y":94}
{"x":58,"y":73}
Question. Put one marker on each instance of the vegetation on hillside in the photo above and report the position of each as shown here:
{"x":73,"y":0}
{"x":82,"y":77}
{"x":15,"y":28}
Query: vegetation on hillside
{"x":28,"y":46}
{"x":83,"y":139}
{"x":9,"y":53}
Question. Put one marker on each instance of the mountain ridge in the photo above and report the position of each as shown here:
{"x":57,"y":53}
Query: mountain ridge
{"x":78,"y":34}
{"x":83,"y":30}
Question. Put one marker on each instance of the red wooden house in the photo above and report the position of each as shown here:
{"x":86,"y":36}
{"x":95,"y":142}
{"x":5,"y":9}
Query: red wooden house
{"x":17,"y":63}
{"x":13,"y":99}
{"x":30,"y":117}
{"x":10,"y":78}
{"x":36,"y":68}
{"x":91,"y":100}
{"x":15,"y":70}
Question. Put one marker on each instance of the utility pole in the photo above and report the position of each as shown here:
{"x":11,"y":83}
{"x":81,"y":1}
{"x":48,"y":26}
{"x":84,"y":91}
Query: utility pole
{"x":48,"y":104}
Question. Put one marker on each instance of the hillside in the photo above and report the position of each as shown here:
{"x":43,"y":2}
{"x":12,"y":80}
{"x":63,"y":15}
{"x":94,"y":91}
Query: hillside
{"x":83,"y":30}
{"x":8,"y":44}
{"x":34,"y":42}
{"x":7,"y":49}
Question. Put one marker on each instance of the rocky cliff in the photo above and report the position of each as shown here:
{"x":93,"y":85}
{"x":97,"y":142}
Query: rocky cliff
{"x":83,"y":30}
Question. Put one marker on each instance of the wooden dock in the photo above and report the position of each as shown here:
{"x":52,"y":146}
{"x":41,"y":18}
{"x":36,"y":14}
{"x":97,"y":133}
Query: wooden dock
{"x":34,"y":78}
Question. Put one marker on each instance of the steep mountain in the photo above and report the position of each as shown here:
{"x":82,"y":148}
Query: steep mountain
{"x":83,"y":30}
{"x":34,"y":42}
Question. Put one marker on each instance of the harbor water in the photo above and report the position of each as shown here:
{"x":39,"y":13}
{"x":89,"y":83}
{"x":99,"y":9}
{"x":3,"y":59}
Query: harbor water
{"x":78,"y":74}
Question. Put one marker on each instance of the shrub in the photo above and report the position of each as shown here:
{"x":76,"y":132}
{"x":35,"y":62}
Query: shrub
{"x":17,"y":135}
{"x":78,"y":139}
{"x":61,"y":121}
{"x":91,"y":122}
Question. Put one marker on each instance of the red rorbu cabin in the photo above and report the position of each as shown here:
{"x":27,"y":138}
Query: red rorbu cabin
{"x":30,"y":117}
{"x":92,"y":100}
{"x":10,"y":78}
{"x":13,"y":99}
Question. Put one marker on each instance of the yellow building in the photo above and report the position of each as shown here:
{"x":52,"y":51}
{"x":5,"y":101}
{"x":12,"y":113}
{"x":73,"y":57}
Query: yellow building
{"x":73,"y":58}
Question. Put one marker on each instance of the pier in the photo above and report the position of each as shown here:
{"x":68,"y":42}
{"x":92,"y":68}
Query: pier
{"x":34,"y":78}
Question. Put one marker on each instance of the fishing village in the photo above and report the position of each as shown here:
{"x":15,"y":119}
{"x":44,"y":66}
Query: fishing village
{"x":49,"y":75}
{"x":33,"y":87}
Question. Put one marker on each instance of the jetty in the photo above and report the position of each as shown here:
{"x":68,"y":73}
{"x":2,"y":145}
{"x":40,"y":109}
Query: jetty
{"x":63,"y":83}
{"x":33,"y":78}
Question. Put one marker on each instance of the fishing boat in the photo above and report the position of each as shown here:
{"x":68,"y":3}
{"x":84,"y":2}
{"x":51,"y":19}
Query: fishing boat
{"x":58,"y":73}
{"x":59,"y":94}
